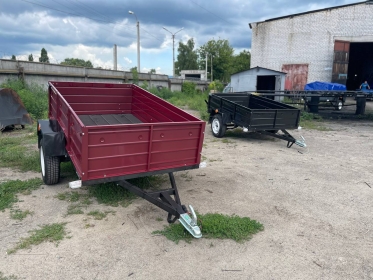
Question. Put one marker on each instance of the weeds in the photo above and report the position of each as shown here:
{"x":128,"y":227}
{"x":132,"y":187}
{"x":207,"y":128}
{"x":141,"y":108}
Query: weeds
{"x":98,"y":215}
{"x":33,"y":96}
{"x":114,"y":195}
{"x":217,"y":226}
{"x":10,"y":277}
{"x":14,"y":153}
{"x":75,"y":209}
{"x":9,"y":190}
{"x":69,"y":196}
{"x":19,"y":214}
{"x":52,"y":233}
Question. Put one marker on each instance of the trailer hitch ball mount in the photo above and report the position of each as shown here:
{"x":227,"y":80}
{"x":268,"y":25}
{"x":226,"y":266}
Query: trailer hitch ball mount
{"x":190,"y":223}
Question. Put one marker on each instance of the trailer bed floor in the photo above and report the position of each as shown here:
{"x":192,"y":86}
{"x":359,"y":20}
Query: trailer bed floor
{"x":109,"y":119}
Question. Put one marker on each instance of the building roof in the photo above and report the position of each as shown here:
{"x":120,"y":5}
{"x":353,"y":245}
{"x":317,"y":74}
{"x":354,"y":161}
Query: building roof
{"x":257,"y":67}
{"x":314,"y":11}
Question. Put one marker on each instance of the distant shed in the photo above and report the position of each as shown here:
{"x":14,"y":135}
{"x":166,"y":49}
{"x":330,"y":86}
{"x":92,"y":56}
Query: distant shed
{"x":256,"y":79}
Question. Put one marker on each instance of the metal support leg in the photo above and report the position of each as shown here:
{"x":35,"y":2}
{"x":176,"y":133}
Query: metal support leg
{"x":163,"y":200}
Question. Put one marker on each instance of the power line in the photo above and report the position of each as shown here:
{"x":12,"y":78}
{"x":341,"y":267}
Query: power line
{"x":209,"y":11}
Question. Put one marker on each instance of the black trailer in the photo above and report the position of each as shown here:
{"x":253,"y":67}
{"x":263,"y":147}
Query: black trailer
{"x":252,"y":113}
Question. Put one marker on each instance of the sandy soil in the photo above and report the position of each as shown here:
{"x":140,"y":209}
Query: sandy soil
{"x":315,"y":204}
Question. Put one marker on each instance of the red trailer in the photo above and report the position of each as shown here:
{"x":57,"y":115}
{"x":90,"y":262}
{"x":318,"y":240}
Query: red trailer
{"x":114,"y":132}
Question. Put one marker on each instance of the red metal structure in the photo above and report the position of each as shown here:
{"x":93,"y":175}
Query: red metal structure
{"x":114,"y":132}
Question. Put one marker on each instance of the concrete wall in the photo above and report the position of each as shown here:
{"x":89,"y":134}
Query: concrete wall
{"x":309,"y":38}
{"x":41,"y":73}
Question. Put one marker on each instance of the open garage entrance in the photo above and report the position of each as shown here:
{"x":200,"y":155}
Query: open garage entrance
{"x":270,"y":83}
{"x":353,"y":63}
{"x":360,"y":65}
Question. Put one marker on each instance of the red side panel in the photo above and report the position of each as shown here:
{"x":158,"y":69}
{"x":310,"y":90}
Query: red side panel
{"x":167,"y":138}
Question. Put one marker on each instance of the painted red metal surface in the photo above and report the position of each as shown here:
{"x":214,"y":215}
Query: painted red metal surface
{"x":296,"y":77}
{"x":167,"y":138}
{"x":340,"y":62}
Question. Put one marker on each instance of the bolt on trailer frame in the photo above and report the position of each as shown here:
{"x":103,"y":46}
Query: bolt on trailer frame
{"x":115,"y":132}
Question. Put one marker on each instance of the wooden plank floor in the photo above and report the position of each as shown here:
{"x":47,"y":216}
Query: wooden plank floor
{"x":92,"y":120}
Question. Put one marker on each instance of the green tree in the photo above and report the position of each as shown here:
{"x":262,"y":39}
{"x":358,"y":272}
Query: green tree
{"x":13,"y":57}
{"x":241,"y":62}
{"x":187,"y":57}
{"x":135,"y":75}
{"x":152,"y":71}
{"x":30,"y":58}
{"x":222,"y":57}
{"x":77,"y":62}
{"x":44,"y":56}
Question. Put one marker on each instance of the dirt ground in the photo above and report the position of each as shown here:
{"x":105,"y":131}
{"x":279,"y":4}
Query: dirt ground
{"x":315,"y":205}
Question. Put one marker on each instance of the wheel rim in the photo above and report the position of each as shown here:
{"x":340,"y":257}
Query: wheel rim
{"x":42,"y":162}
{"x":340,"y":105}
{"x":215,"y":126}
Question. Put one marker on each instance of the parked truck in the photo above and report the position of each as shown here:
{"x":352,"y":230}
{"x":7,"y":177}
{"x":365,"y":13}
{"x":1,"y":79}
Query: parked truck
{"x":115,"y":132}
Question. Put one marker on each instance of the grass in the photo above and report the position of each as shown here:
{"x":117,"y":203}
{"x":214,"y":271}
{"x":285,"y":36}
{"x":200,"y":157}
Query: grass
{"x":47,"y":233}
{"x":33,"y":96}
{"x":98,"y":215}
{"x":215,"y":226}
{"x":10,"y":277}
{"x":10,"y":189}
{"x":312,"y":121}
{"x":114,"y":195}
{"x":14,"y":153}
{"x":75,"y":209}
{"x":69,"y":196}
{"x":19,"y":214}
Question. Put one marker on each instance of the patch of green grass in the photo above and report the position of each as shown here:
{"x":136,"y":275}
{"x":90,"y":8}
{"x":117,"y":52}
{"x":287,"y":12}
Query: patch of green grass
{"x":14,"y":153}
{"x":158,"y":219}
{"x":114,"y":195}
{"x":74,"y":209}
{"x":10,"y":277}
{"x":215,"y":226}
{"x":186,"y":176}
{"x":9,"y":190}
{"x":19,"y":214}
{"x":69,"y":196}
{"x":227,"y":141}
{"x":47,"y":233}
{"x":312,"y":121}
{"x":68,"y":171}
{"x":98,"y":215}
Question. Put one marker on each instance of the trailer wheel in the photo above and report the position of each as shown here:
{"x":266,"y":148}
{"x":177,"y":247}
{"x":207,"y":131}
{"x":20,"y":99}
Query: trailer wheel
{"x":338,"y":105}
{"x":50,"y":168}
{"x":217,"y":127}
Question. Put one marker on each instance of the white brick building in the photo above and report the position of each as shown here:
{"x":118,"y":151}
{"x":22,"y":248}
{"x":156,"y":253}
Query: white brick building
{"x":333,"y":44}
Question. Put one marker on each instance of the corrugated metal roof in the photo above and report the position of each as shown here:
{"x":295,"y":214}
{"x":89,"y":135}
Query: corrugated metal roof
{"x":314,"y":11}
{"x":257,"y":67}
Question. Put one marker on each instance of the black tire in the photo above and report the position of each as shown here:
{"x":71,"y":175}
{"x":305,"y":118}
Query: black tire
{"x":218,"y":129}
{"x":50,"y":168}
{"x":338,"y":105}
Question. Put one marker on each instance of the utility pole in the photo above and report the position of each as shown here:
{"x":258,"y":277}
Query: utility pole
{"x":115,"y":57}
{"x":206,"y":66}
{"x":138,"y":41}
{"x":173,"y":49}
{"x":211,"y":70}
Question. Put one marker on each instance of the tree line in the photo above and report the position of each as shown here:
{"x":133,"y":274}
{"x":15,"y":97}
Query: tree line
{"x":219,"y":53}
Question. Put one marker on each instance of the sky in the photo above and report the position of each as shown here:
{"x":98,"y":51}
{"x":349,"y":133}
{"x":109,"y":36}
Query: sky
{"x":88,"y":29}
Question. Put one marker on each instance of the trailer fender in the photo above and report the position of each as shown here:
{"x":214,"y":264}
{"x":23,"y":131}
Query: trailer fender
{"x":226,"y":118}
{"x":50,"y":132}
